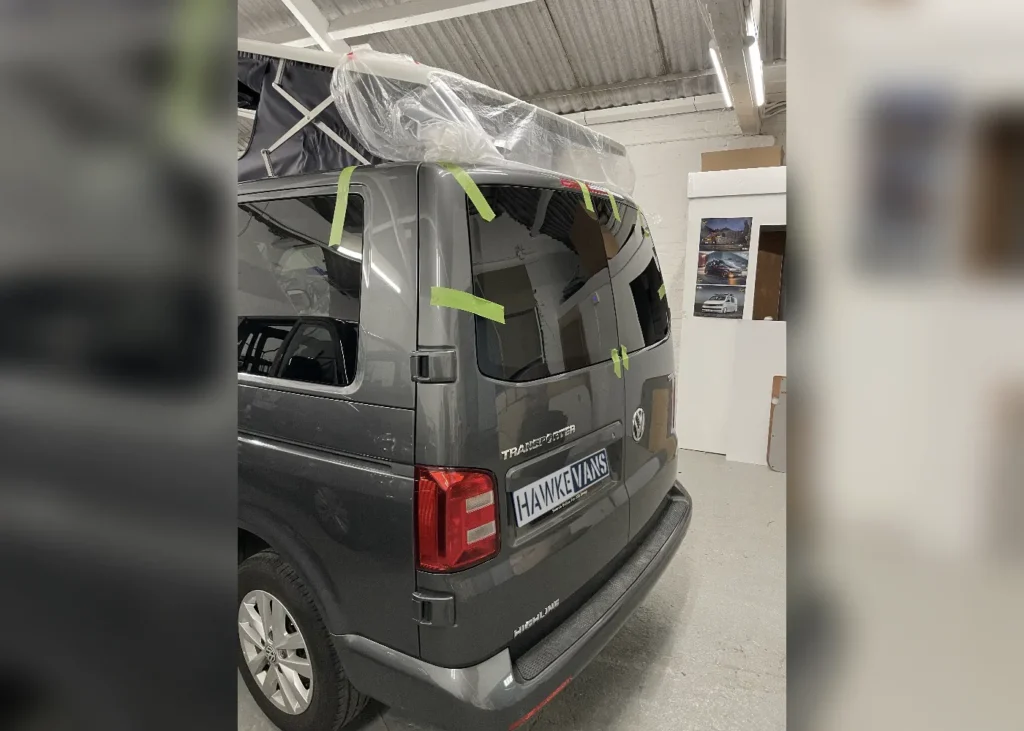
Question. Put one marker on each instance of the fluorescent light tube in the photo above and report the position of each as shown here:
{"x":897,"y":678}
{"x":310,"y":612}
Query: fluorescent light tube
{"x":757,"y":69}
{"x":721,"y":76}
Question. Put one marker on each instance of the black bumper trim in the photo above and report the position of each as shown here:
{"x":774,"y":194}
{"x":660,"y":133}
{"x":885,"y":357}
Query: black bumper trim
{"x":539,"y":657}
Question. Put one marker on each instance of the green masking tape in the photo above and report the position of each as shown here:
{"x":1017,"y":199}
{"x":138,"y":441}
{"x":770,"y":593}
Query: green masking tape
{"x":481,"y":204}
{"x":615,"y":362}
{"x":615,"y":206}
{"x":459,"y":300}
{"x":586,"y":196}
{"x":625,"y":357}
{"x":661,"y":292}
{"x":340,"y":206}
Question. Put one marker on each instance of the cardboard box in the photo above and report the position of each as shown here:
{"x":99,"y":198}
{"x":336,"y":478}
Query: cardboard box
{"x":753,"y":157}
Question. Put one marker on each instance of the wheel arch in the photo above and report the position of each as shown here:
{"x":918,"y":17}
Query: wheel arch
{"x":257,"y":532}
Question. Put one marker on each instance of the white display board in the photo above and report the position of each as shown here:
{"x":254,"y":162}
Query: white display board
{"x":724,"y":365}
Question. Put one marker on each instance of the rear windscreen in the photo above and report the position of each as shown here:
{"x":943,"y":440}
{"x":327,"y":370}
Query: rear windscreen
{"x":544,"y":258}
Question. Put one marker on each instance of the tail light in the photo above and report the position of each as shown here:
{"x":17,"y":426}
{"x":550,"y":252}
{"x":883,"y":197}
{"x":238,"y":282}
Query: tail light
{"x":456,"y":518}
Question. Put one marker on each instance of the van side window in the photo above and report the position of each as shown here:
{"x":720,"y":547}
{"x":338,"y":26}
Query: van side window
{"x":544,"y":258}
{"x":650,"y":305}
{"x":312,"y":356}
{"x":259,"y":344}
{"x":651,"y":308}
{"x":286,"y":269}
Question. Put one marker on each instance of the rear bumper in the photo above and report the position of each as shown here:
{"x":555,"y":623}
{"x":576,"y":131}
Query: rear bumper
{"x":499,"y":692}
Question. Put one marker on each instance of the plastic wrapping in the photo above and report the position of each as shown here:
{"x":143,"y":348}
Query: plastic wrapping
{"x":403,"y":111}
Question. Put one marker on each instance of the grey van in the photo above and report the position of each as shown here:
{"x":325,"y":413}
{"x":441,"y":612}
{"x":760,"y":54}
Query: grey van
{"x":456,"y":447}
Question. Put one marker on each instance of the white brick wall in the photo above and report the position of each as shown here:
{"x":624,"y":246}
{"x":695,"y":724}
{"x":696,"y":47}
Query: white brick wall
{"x":664,"y":151}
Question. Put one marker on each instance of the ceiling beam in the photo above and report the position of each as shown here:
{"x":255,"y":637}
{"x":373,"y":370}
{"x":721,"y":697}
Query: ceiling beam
{"x":380,"y":20}
{"x":276,"y":50}
{"x":315,"y":24}
{"x":632,"y":84}
{"x":727,"y":20}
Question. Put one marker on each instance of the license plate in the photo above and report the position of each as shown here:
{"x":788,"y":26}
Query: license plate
{"x":550,"y":492}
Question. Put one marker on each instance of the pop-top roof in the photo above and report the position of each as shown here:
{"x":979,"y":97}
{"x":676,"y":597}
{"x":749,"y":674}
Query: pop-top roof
{"x":385,"y":107}
{"x":404,"y":111}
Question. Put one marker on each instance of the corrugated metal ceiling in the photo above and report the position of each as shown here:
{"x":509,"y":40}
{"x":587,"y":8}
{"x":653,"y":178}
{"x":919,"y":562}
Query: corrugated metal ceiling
{"x":561,"y":54}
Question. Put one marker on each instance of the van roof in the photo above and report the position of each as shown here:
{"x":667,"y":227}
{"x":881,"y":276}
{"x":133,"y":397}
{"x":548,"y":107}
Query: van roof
{"x":491,"y":174}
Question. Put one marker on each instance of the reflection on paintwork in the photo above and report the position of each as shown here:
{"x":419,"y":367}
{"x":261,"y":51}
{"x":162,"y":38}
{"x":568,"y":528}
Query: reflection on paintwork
{"x":332,"y":513}
{"x":384,"y":277}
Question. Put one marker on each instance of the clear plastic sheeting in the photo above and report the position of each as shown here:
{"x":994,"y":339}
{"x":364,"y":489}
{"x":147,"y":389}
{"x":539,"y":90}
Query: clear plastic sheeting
{"x":403,"y":111}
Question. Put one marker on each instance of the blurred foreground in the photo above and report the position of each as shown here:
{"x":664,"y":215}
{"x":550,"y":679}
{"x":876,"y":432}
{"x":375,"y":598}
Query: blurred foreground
{"x":906,"y":551}
{"x":117,"y":461}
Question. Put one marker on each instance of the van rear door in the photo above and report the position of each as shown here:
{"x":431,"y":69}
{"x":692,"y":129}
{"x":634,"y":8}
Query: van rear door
{"x":644,"y":324}
{"x":536,"y":401}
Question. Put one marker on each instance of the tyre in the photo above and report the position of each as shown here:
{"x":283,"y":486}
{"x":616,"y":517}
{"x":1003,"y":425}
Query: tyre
{"x":285,"y":654}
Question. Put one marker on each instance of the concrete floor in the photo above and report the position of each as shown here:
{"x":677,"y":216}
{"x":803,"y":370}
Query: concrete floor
{"x":706,"y":650}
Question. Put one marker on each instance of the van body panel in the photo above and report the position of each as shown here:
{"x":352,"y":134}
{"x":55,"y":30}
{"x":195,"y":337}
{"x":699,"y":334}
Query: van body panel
{"x":364,"y":567}
{"x":651,"y":463}
{"x":334,"y":425}
{"x":321,"y":459}
{"x":651,"y":459}
{"x":480,"y":422}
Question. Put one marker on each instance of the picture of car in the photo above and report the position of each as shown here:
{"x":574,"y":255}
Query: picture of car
{"x":723,"y":268}
{"x":722,"y":304}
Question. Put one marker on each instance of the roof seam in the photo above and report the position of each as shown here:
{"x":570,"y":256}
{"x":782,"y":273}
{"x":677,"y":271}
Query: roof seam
{"x":561,"y":42}
{"x":665,"y":66}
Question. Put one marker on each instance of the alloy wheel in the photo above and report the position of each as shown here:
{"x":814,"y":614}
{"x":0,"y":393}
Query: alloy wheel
{"x":275,"y":651}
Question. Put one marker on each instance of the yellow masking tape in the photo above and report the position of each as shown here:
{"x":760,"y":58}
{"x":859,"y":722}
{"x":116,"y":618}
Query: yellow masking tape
{"x":472,"y":191}
{"x":615,"y":362}
{"x":615,"y":206}
{"x":459,"y":300}
{"x":661,"y":292}
{"x":340,"y":207}
{"x":625,"y":357}
{"x":586,"y":196}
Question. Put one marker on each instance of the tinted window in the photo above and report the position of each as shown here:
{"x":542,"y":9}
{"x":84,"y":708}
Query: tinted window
{"x":286,"y":268}
{"x":651,"y":304}
{"x":259,"y":343}
{"x":545,"y":259}
{"x":312,"y":356}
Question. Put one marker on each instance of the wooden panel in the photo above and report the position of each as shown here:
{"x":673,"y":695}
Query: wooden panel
{"x":751,"y":157}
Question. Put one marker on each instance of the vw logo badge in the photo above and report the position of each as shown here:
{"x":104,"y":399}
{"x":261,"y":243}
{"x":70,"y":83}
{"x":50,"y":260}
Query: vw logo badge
{"x":639,"y":423}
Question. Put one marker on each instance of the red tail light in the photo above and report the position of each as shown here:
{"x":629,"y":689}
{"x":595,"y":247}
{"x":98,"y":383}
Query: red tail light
{"x":456,"y":518}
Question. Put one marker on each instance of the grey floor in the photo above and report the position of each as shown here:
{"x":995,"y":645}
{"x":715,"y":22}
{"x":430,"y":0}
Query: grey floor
{"x":706,"y":650}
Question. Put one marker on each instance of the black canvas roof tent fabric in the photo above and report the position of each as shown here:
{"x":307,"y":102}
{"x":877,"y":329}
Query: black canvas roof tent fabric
{"x":405,"y":111}
{"x":309,"y":150}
